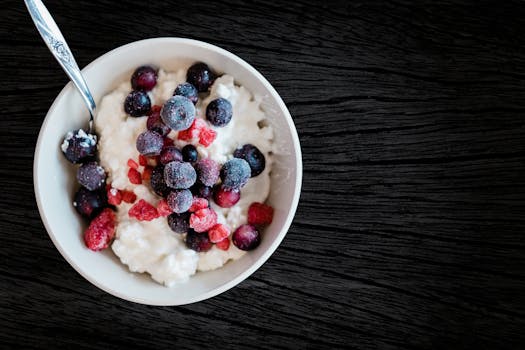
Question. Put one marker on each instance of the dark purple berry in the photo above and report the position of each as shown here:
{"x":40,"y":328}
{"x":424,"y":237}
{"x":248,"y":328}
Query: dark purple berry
{"x":89,"y":203}
{"x":200,"y":242}
{"x":79,"y":146}
{"x":137,"y":104}
{"x":155,"y":123}
{"x":187,"y":90}
{"x":224,"y":198}
{"x":253,"y":156}
{"x":157,"y":181}
{"x":246,"y":237}
{"x":219,"y":112}
{"x":189,"y":153}
{"x":207,"y":171}
{"x":180,"y":200}
{"x":200,"y":76}
{"x":179,"y":175}
{"x":178,"y":113}
{"x":170,"y":154}
{"x":144,"y":78}
{"x":179,"y":223}
{"x":202,"y":191}
{"x":149,"y":143}
{"x":91,"y":175}
{"x":235,"y":173}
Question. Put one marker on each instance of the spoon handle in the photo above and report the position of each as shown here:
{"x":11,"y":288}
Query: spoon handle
{"x":56,"y":43}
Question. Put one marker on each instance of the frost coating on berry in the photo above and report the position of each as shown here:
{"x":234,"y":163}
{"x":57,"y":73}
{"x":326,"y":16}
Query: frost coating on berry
{"x":179,"y":223}
{"x":207,"y":171}
{"x":137,"y":104}
{"x":179,"y":175}
{"x":253,"y":156}
{"x":178,"y":113}
{"x":149,"y":143}
{"x":187,"y":90}
{"x":91,"y":175}
{"x":79,"y":146}
{"x":180,"y":201}
{"x":235,"y":174}
{"x":219,"y":112}
{"x":246,"y":237}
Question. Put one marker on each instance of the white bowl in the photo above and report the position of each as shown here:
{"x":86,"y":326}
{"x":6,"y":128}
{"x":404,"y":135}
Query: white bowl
{"x":55,"y":183}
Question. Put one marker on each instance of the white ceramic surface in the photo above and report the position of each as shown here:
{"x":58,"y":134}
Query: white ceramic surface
{"x":55,"y":182}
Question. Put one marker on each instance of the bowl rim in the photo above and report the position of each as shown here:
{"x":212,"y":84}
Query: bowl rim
{"x":264,"y":257}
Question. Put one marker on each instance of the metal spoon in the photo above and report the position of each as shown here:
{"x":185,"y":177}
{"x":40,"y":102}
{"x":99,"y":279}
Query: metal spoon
{"x":56,"y":43}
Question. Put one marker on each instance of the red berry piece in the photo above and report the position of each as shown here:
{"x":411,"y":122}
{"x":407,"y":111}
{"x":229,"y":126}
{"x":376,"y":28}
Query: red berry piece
{"x":225,"y":198}
{"x":163,"y":208}
{"x":114,"y":196}
{"x":246,"y":237}
{"x":202,"y":220}
{"x":198,"y":203}
{"x":146,"y":174}
{"x":218,"y":233}
{"x":224,"y":244}
{"x":193,"y":131}
{"x":144,"y":78}
{"x":101,"y":230}
{"x":143,"y":211}
{"x":143,"y":160}
{"x":132,"y":164}
{"x":198,"y":241}
{"x":260,"y":214}
{"x":128,"y":196}
{"x":168,"y":141}
{"x":207,"y":136}
{"x":134,"y":176}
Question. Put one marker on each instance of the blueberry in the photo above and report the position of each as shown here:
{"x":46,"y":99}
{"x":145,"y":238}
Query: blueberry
{"x":200,"y":242}
{"x":156,"y":124}
{"x":178,"y":113}
{"x":200,"y":76}
{"x":235,"y":173}
{"x":207,"y":171}
{"x":219,"y":112}
{"x":246,"y":237}
{"x":137,"y":104}
{"x":79,"y":146}
{"x":179,"y":175}
{"x":157,"y":181}
{"x":201,"y":191}
{"x":253,"y":156}
{"x":89,"y":203}
{"x":189,"y":153}
{"x":179,"y":223}
{"x":187,"y":90}
{"x":149,"y":143}
{"x":144,"y":78}
{"x":170,"y":154}
{"x":91,"y":175}
{"x":180,"y":200}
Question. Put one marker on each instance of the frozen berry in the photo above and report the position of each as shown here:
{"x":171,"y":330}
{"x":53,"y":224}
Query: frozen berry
{"x":219,"y":112}
{"x":207,"y":136}
{"x":200,"y":76}
{"x":202,"y":191}
{"x":143,"y":160}
{"x":137,"y":104}
{"x":128,"y":196}
{"x":189,"y":153}
{"x":194,"y":130}
{"x":187,"y":90}
{"x":101,"y":230}
{"x":155,"y":123}
{"x":146,"y":173}
{"x":224,"y":198}
{"x":168,"y":141}
{"x":202,"y":220}
{"x":79,"y":146}
{"x":246,"y":237}
{"x":89,"y":203}
{"x":143,"y":211}
{"x":198,"y":204}
{"x":170,"y":154}
{"x":179,"y":223}
{"x":91,"y":175}
{"x":157,"y":181}
{"x":134,"y":176}
{"x":149,"y":143}
{"x":179,"y":175}
{"x":163,"y":208}
{"x":218,"y":232}
{"x":178,"y":113}
{"x":180,"y":200}
{"x":198,"y":241}
{"x":114,"y":196}
{"x":144,"y":78}
{"x":260,"y":214}
{"x":224,"y":244}
{"x":235,"y":173}
{"x":207,"y":171}
{"x":253,"y":156}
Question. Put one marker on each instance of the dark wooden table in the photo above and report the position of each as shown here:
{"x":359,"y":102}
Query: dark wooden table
{"x":410,"y":230}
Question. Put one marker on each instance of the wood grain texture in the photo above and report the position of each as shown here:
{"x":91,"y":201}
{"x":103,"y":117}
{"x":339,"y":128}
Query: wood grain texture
{"x":410,"y":230}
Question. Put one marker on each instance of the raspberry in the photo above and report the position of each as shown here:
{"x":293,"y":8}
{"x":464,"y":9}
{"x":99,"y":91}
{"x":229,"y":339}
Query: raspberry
{"x":101,"y":230}
{"x":224,"y":244}
{"x":198,"y":204}
{"x":143,"y":160}
{"x":218,"y":233}
{"x":207,"y":136}
{"x":163,"y":208}
{"x":260,"y":214}
{"x":146,"y":174}
{"x":132,"y":164}
{"x":114,"y":196}
{"x":202,"y":220}
{"x":193,"y":131}
{"x":134,"y":176}
{"x":143,"y":211}
{"x":128,"y":196}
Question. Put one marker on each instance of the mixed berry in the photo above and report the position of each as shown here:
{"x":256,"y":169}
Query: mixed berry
{"x":186,"y":182}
